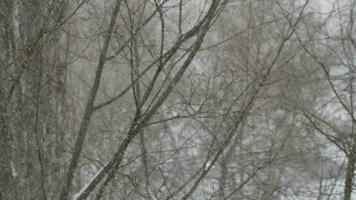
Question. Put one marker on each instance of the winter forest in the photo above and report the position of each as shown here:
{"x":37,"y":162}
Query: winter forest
{"x":177,"y":99}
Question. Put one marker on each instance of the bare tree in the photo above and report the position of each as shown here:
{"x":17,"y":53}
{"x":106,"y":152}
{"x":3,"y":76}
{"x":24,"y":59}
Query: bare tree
{"x":177,"y":99}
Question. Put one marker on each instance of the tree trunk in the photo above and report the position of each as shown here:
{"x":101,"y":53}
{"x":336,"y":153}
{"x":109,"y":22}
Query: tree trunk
{"x":349,"y":178}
